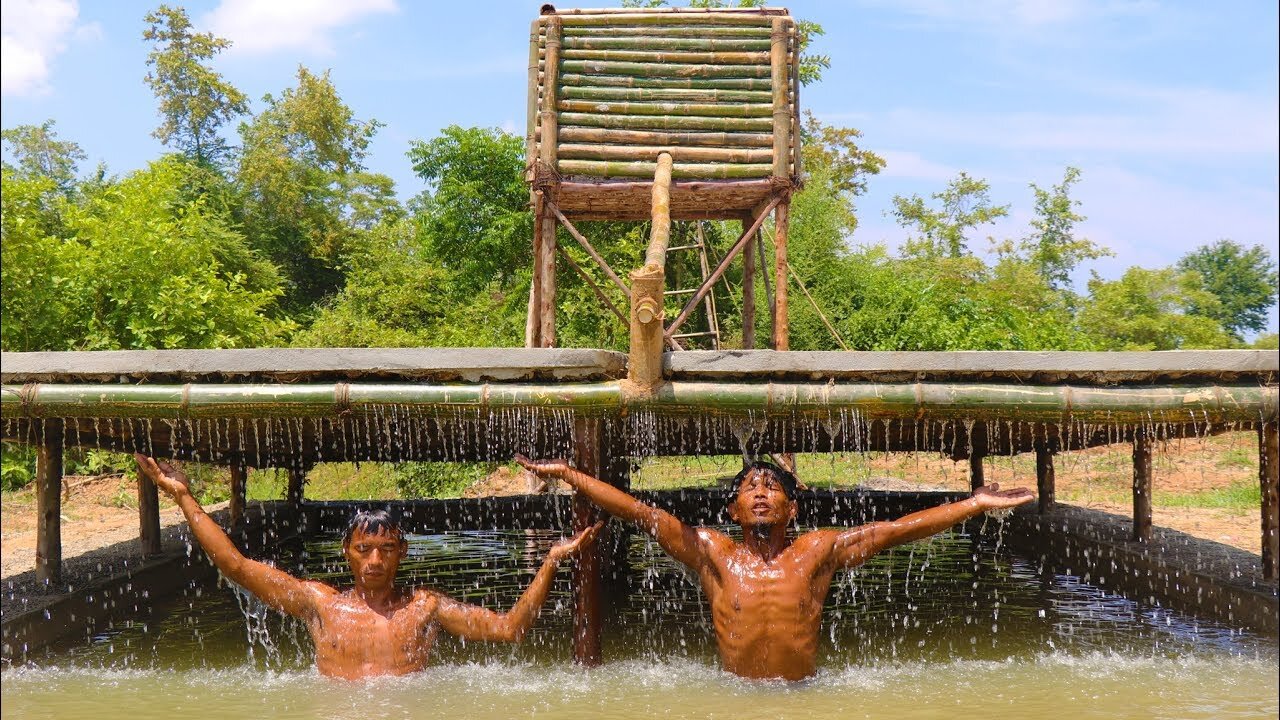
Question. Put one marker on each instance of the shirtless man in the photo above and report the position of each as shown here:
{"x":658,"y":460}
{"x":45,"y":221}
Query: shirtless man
{"x":766,"y":592}
{"x":375,"y":628}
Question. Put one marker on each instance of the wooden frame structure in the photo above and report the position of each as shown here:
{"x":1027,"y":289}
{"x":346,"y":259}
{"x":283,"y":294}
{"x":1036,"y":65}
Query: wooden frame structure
{"x":613,"y":90}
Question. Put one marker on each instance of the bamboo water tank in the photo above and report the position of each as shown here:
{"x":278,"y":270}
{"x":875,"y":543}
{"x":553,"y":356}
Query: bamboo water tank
{"x":610,"y":89}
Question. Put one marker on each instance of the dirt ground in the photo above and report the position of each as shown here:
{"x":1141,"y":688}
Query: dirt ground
{"x":1191,"y":477}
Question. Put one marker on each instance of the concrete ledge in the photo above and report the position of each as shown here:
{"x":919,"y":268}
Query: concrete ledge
{"x":1091,"y":368}
{"x":313,"y":364}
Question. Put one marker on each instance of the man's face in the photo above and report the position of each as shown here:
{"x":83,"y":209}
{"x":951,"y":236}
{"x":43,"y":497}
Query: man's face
{"x":761,"y":502}
{"x":375,"y":557}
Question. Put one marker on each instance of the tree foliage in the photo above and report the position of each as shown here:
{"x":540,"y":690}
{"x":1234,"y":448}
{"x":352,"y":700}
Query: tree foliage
{"x":944,"y":231}
{"x":1241,"y":280}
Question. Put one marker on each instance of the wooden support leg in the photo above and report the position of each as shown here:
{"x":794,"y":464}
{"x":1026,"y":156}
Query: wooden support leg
{"x":1269,"y":478}
{"x":239,"y":479}
{"x":295,"y":492}
{"x":1141,"y":486}
{"x":1044,"y":479}
{"x":49,"y":503}
{"x":588,"y":574}
{"x":976,"y":475}
{"x":547,"y":293}
{"x":533,"y":323}
{"x":748,"y":290}
{"x":148,"y":517}
{"x":781,"y":328}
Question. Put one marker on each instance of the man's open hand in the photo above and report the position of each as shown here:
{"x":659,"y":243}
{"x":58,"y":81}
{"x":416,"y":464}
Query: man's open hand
{"x":570,"y":546}
{"x":552,"y":468}
{"x":991,"y":497}
{"x":168,"y":477}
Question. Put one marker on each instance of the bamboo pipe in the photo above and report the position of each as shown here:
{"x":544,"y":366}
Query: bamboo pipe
{"x":689,"y":83}
{"x":601,"y":168}
{"x":979,"y":401}
{"x":658,"y":137}
{"x":531,"y":142}
{"x":654,"y":69}
{"x":640,"y":153}
{"x":727,"y":110}
{"x":715,"y":57}
{"x":664,"y":122}
{"x":797,"y":159}
{"x":692,"y":13}
{"x":670,"y":31}
{"x":643,"y":42}
{"x":615,"y":19}
{"x":660,"y":227}
{"x":781,"y":110}
{"x":663,"y":95}
{"x":550,"y":123}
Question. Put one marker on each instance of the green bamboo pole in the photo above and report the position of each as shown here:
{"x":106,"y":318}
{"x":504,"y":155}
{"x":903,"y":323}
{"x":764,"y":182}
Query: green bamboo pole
{"x":531,"y":142}
{"x":717,"y":57}
{"x":620,"y":20}
{"x":606,"y":169}
{"x":781,"y":109}
{"x":668,"y":108}
{"x":667,"y":122}
{"x":648,"y":137}
{"x":649,"y":70}
{"x":670,"y":31}
{"x":976,"y":401}
{"x":664,"y":94}
{"x":640,"y":153}
{"x":702,"y":44}
{"x":688,"y":83}
{"x":550,"y":124}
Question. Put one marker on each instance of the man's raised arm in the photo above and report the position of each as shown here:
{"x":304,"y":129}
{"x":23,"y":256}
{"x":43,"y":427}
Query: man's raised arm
{"x":853,"y":547}
{"x":278,"y":589}
{"x":679,"y":540}
{"x":472,"y":622}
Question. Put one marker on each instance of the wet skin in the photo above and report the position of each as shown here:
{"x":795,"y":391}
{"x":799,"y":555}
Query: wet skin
{"x":376,"y":627}
{"x":766,"y":592}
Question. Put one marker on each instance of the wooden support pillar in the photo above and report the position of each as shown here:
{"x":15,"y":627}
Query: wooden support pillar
{"x":589,"y":566}
{"x":749,"y":289}
{"x":49,"y":503}
{"x":781,"y":328}
{"x":148,"y":517}
{"x":1044,"y":478}
{"x":976,"y":476}
{"x":295,"y":493}
{"x":547,"y":286}
{"x":239,"y":479}
{"x":1269,"y":478}
{"x":1141,"y":486}
{"x":533,"y":323}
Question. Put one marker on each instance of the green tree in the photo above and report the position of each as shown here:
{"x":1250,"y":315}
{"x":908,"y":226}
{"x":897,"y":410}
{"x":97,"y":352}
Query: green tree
{"x":1052,"y":246}
{"x":943,"y":232}
{"x":1150,"y":310}
{"x":195,"y":101}
{"x":37,"y":266}
{"x":38,"y":153}
{"x":304,"y":191}
{"x":1241,"y":280}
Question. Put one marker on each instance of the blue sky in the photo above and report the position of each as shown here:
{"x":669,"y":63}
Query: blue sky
{"x":1169,"y":109}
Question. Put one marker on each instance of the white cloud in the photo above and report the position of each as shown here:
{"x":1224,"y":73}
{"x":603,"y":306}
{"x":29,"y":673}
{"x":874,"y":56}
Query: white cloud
{"x":263,"y":27}
{"x":1003,"y":16}
{"x":907,"y":164}
{"x":34,"y":33}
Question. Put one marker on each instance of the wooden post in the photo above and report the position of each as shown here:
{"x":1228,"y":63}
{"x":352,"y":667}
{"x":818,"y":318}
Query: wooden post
{"x":1269,"y":478}
{"x":148,"y":517}
{"x":588,"y":572}
{"x":1141,"y":486}
{"x":748,"y":290}
{"x":49,"y":503}
{"x":295,"y":491}
{"x":781,"y":328}
{"x":780,"y":80}
{"x":550,"y":137}
{"x":1044,"y":478}
{"x":547,"y":290}
{"x":976,"y":476}
{"x":533,"y":323}
{"x":239,"y":479}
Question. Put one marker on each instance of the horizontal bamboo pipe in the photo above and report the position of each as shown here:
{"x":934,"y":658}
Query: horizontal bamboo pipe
{"x":702,"y":44}
{"x":670,"y":31}
{"x":606,"y":169}
{"x":679,"y":154}
{"x":718,"y":57}
{"x":665,"y":122}
{"x":976,"y":401}
{"x":668,"y":108}
{"x":664,"y":94}
{"x":619,"y":20}
{"x":690,"y":83}
{"x":689,"y":13}
{"x":647,"y":137}
{"x":647,"y":70}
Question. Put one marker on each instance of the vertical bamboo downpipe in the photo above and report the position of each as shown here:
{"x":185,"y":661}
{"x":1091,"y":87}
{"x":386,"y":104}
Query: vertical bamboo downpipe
{"x":49,"y":503}
{"x":781,"y":79}
{"x":781,"y":327}
{"x":749,"y":289}
{"x":647,"y":284}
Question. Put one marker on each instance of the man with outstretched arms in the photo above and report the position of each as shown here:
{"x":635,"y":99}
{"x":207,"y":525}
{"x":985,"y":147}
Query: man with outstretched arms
{"x":376,"y":627}
{"x":766,"y":592}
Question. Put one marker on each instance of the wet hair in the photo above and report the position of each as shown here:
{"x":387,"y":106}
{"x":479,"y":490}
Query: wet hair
{"x":373,"y":522}
{"x":783,"y":477}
